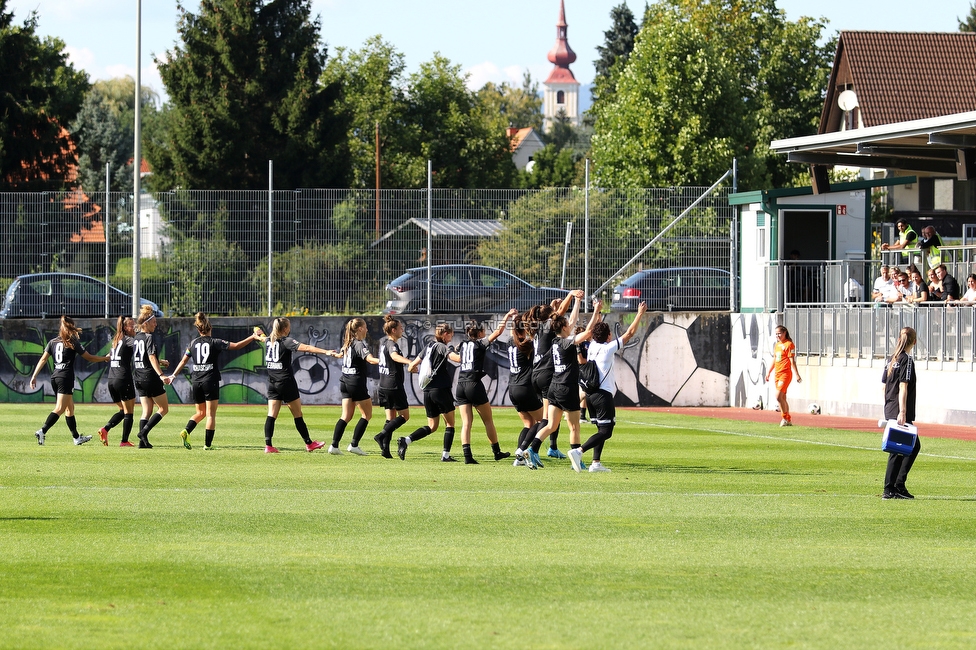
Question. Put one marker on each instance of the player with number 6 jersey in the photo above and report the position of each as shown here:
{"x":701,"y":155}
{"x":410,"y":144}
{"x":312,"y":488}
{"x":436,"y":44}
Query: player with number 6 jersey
{"x":204,"y":352}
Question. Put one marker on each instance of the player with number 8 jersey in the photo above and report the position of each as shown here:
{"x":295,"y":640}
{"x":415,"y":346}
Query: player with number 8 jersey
{"x":203,"y":352}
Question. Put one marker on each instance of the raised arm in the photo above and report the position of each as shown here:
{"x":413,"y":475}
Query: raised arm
{"x":311,"y":349}
{"x":564,"y":305}
{"x":94,"y":358}
{"x":512,"y":313}
{"x":240,"y":344}
{"x":632,"y":330}
{"x":587,"y":334}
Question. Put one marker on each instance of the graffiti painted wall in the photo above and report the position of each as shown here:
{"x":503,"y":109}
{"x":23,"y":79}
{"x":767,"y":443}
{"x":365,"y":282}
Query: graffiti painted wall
{"x":675,"y":359}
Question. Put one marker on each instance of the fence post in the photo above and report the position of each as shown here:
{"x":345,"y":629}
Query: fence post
{"x":586,"y":235}
{"x":136,"y":169}
{"x":270,"y":229}
{"x":430,"y":225}
{"x":108,"y":177}
{"x":569,"y":236}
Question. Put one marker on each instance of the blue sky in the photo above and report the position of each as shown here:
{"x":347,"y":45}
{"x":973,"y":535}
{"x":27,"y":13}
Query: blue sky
{"x":493,"y":40}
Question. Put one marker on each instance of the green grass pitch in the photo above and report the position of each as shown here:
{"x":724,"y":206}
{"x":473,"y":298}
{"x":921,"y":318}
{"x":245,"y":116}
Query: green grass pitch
{"x":707,"y":534}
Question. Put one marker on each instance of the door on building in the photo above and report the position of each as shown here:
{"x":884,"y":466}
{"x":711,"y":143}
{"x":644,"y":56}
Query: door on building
{"x":804,"y":245}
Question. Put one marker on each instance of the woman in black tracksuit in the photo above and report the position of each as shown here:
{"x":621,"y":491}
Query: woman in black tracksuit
{"x":205,"y":376}
{"x":356,"y":358}
{"x":282,"y":387}
{"x":438,"y":399}
{"x":470,"y":393}
{"x":392,"y":395}
{"x":63,"y":350}
{"x":899,"y":380}
{"x":120,"y":386}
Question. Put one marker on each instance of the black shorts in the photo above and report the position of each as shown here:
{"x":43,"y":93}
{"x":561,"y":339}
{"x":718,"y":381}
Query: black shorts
{"x":438,"y":401}
{"x":151,"y":386}
{"x":470,"y":392}
{"x":63,"y":385}
{"x":354,"y":389}
{"x":524,"y":398}
{"x":392,"y":398}
{"x":285,"y":390}
{"x":599,"y":406}
{"x":207,"y":392}
{"x":565,"y":399}
{"x":121,"y":390}
{"x":540,"y":382}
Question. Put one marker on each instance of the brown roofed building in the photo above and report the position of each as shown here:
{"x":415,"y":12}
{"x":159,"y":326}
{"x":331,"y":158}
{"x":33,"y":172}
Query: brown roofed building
{"x":900,"y":76}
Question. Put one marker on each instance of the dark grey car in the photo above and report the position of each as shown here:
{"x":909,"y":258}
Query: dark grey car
{"x":685,"y":288}
{"x":464,"y":288}
{"x":43,"y":295}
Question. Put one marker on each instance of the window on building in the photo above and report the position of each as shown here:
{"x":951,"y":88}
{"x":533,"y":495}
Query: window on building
{"x":560,"y":97}
{"x":946,"y":194}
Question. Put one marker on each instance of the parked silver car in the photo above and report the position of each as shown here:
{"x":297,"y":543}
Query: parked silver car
{"x":44,"y":295}
{"x":686,"y":288}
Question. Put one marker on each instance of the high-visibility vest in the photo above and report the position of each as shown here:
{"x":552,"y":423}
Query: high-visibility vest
{"x":933,"y":258}
{"x":905,"y":244}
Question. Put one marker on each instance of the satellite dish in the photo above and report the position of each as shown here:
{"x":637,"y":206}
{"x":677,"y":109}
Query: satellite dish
{"x":847,"y":100}
{"x":530,"y":166}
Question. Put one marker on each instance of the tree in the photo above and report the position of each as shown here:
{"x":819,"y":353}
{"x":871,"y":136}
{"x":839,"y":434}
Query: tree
{"x":40,"y":94}
{"x":708,"y":82}
{"x":244,"y":89}
{"x":618,"y":44}
{"x":968,"y":24}
{"x":518,"y":107}
{"x":552,"y":167}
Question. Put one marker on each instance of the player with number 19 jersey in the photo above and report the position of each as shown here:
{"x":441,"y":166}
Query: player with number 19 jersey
{"x":204,"y":371}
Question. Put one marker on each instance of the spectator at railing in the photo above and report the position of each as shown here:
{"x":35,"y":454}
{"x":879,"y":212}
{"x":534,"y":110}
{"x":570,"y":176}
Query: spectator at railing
{"x":950,"y":288}
{"x":882,"y":281}
{"x":903,"y":292}
{"x":930,"y":244}
{"x":920,"y":291}
{"x":907,"y":238}
{"x":968,"y":298}
{"x":935,"y":286}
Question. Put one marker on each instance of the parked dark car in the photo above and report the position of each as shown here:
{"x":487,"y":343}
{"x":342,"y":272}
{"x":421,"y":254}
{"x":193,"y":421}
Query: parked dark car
{"x":43,"y":295}
{"x":687,"y":288}
{"x":464,"y":288}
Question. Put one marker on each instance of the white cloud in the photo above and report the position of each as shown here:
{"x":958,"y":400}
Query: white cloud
{"x":514,"y":73}
{"x":80,"y":57}
{"x":482,"y":73}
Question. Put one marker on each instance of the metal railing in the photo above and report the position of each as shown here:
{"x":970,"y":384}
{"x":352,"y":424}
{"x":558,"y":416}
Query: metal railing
{"x":333,"y":251}
{"x":946,"y":334}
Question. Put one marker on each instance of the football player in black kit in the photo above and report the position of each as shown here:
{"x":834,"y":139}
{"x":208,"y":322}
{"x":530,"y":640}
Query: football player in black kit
{"x":149,"y":375}
{"x":564,"y":390}
{"x":526,"y":401}
{"x":355,"y":361}
{"x":205,"y":376}
{"x":391,"y":395}
{"x":282,"y":387}
{"x":63,"y":350}
{"x":470,"y":393}
{"x":542,"y":361}
{"x":120,"y":386}
{"x":438,"y":400}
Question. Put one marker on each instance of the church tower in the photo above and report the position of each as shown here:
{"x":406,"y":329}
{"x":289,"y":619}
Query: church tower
{"x":561,"y":93}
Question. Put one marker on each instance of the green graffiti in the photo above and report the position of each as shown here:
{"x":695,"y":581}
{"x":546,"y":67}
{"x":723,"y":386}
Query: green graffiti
{"x":16,"y":349}
{"x":240,"y":394}
{"x":247,"y":362}
{"x":12,"y":396}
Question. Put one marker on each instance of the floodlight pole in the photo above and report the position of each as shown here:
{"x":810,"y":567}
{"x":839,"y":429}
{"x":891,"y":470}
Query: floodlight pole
{"x":105,"y":220}
{"x":430,"y":225}
{"x":270,"y":228}
{"x":137,"y":167}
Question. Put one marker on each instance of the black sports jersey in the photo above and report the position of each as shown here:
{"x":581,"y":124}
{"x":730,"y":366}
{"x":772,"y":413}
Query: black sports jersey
{"x":901,"y":371}
{"x":203,"y":352}
{"x":391,"y":372}
{"x":565,"y":364}
{"x":277,"y":358}
{"x":120,"y":359}
{"x":64,"y":357}
{"x":145,"y":345}
{"x":473,"y":354}
{"x":520,"y":366}
{"x":444,"y":375}
{"x":354,"y":364}
{"x":542,"y":342}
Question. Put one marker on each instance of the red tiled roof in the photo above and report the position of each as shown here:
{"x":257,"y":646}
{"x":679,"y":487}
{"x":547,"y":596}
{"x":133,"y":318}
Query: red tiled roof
{"x":519,"y":136}
{"x":561,"y":76}
{"x":902,"y":76}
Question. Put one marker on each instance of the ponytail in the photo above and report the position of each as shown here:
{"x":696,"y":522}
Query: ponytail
{"x":906,"y":341}
{"x":278,"y":328}
{"x":202,"y":323}
{"x":68,"y":330}
{"x":119,"y":330}
{"x":350,"y":335}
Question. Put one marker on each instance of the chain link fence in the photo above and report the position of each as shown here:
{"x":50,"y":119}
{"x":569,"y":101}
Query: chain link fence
{"x":333,"y":251}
